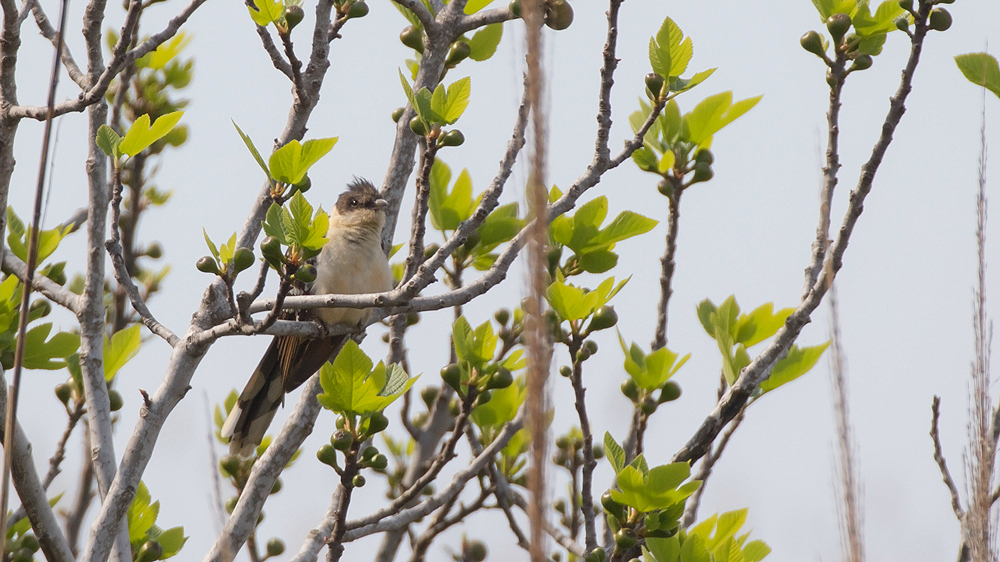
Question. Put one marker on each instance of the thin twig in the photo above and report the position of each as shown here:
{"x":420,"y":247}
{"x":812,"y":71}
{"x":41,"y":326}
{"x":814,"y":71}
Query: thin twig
{"x":705,"y":471}
{"x":956,"y":505}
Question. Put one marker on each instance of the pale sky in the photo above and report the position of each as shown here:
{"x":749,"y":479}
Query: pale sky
{"x":905,"y":289}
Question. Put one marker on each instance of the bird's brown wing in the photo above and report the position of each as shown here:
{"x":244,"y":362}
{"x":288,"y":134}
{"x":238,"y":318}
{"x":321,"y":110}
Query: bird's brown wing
{"x":288,"y":362}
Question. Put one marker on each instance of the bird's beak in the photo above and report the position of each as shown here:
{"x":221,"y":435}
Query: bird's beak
{"x":381,"y":204}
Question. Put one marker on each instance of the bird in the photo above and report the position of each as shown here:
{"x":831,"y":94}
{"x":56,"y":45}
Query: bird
{"x":351,"y":262}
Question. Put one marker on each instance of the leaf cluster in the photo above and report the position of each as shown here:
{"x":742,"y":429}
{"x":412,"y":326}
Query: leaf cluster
{"x":713,"y":540}
{"x":150,"y":542}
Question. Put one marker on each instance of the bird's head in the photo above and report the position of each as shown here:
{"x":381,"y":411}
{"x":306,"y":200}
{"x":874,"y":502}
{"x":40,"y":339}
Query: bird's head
{"x":360,"y":206}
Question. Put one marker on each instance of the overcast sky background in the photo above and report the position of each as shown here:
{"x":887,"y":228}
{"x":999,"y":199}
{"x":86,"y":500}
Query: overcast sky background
{"x":905,"y":290}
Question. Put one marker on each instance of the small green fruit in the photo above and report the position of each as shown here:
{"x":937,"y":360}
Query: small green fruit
{"x":906,"y":5}
{"x":207,"y":264}
{"x":229,"y":465}
{"x":452,"y":376}
{"x":270,"y":248}
{"x":242,"y":259}
{"x":902,"y":23}
{"x":64,"y":392}
{"x":590,"y":346}
{"x":475,"y":551}
{"x":276,"y":487}
{"x":458,"y":52}
{"x":483,"y":397}
{"x":115,"y":398}
{"x":604,"y":318}
{"x":704,"y":155}
{"x":293,"y":16}
{"x":30,"y":542}
{"x":812,"y":42}
{"x":939,"y":20}
{"x":327,"y":455}
{"x":377,"y":423}
{"x":429,"y":394}
{"x":154,"y":251}
{"x":669,"y":392}
{"x":275,"y":547}
{"x":304,"y":184}
{"x":598,"y":452}
{"x":630,"y":390}
{"x":649,"y":405}
{"x":654,"y":85}
{"x":453,"y":137}
{"x":379,"y":462}
{"x":418,"y":127}
{"x":341,"y":440}
{"x":625,"y":539}
{"x":358,"y":481}
{"x":306,"y":273}
{"x":501,"y":379}
{"x":665,"y":187}
{"x":397,"y":114}
{"x":502,"y":316}
{"x":862,"y":62}
{"x":837,"y":25}
{"x":23,"y":555}
{"x":515,"y":8}
{"x":369,"y":453}
{"x":231,"y":504}
{"x":149,"y":552}
{"x":702,"y":172}
{"x":412,"y":37}
{"x":558,"y":14}
{"x":566,"y":371}
{"x":358,"y":10}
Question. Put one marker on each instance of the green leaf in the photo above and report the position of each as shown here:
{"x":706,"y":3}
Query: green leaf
{"x":351,"y":386}
{"x":980,"y":69}
{"x":755,"y":551}
{"x":211,"y":245}
{"x":664,"y":549}
{"x":42,"y":354}
{"x":290,"y":163}
{"x":140,"y":135}
{"x":500,"y":226}
{"x":171,"y":540}
{"x":714,"y":113}
{"x":119,"y":349}
{"x":626,"y":225}
{"x":457,"y":100}
{"x":827,"y":8}
{"x":108,"y":141}
{"x":165,"y":52}
{"x":484,"y":43}
{"x":267,"y":11}
{"x":407,"y":89}
{"x":274,"y":222}
{"x":598,"y":261}
{"x":760,"y":324}
{"x":424,"y":108}
{"x":438,"y":100}
{"x":616,"y":455}
{"x":474,"y":6}
{"x":658,"y":489}
{"x":141,"y":514}
{"x":502,"y":407}
{"x":253,"y":151}
{"x":797,"y":363}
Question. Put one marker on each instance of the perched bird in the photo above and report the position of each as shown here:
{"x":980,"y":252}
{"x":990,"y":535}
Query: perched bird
{"x":351,"y":262}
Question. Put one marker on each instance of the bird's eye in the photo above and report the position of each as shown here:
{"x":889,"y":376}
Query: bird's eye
{"x":354,"y":202}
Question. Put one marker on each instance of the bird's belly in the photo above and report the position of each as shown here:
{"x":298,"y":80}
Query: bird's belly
{"x":348,"y":269}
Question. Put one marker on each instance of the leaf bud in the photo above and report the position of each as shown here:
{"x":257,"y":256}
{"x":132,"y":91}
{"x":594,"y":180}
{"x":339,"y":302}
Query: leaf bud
{"x":812,"y":42}
{"x":275,"y":547}
{"x":412,"y":37}
{"x":939,"y":20}
{"x":837,"y":25}
{"x":207,"y":264}
{"x":397,"y":114}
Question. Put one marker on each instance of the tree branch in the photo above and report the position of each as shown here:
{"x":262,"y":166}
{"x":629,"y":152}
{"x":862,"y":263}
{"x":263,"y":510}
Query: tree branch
{"x":50,"y":289}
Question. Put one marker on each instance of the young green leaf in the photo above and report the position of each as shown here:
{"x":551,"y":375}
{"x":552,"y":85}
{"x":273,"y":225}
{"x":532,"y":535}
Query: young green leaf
{"x":290,"y":163}
{"x":264,"y":12}
{"x":616,"y":455}
{"x":140,"y":135}
{"x":351,"y":386}
{"x":119,"y":349}
{"x":669,"y":51}
{"x":253,"y":151}
{"x":980,"y":69}
{"x":457,"y":100}
{"x":484,"y":43}
{"x":714,"y":113}
{"x":797,"y":363}
{"x":51,"y":354}
{"x":108,"y":141}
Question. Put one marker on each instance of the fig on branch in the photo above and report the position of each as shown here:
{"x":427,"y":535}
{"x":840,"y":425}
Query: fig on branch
{"x":412,"y":37}
{"x":812,"y":42}
{"x":837,"y":25}
{"x":939,"y":20}
{"x":558,"y":14}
